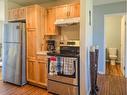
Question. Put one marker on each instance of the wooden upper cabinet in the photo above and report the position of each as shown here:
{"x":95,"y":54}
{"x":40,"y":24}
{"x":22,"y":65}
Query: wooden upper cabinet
{"x":68,"y":11}
{"x":17,"y":14}
{"x":22,"y":13}
{"x":10,"y":14}
{"x":51,"y":18}
{"x":31,"y":17}
{"x":61,"y":12}
{"x":74,"y":10}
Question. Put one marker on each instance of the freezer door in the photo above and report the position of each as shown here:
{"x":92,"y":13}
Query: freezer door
{"x":12,"y":32}
{"x":12,"y":63}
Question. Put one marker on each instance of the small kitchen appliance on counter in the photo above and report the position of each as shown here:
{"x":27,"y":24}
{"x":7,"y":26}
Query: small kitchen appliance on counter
{"x":63,"y":71}
{"x":51,"y":45}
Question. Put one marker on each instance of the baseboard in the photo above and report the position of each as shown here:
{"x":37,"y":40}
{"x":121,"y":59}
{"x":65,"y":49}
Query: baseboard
{"x":102,"y":73}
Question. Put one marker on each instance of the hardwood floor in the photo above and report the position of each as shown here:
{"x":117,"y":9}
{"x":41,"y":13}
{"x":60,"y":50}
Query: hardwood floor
{"x":10,"y":89}
{"x":112,"y":85}
{"x":113,"y":70}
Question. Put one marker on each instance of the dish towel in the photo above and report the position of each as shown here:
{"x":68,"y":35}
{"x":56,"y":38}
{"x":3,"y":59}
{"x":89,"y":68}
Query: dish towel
{"x":69,"y":68}
{"x":59,"y":65}
{"x":53,"y":65}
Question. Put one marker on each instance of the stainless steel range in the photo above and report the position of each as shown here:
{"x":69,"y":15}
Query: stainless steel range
{"x":63,"y":71}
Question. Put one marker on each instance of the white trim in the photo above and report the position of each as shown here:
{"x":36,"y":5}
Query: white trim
{"x":102,"y":73}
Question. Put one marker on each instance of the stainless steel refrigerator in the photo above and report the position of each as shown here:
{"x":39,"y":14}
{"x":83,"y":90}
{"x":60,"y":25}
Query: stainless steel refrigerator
{"x":14,"y":55}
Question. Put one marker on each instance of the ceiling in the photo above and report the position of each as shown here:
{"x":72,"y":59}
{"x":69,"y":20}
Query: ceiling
{"x":100,"y":2}
{"x":29,"y":2}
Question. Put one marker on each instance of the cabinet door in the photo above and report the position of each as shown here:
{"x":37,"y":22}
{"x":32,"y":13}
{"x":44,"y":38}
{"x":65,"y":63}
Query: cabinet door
{"x":15,"y":14}
{"x":62,"y":12}
{"x":74,"y":10}
{"x":42,"y":73}
{"x":31,"y":43}
{"x":10,"y":14}
{"x":31,"y":70}
{"x":31,"y":17}
{"x":22,"y":13}
{"x":51,"y":22}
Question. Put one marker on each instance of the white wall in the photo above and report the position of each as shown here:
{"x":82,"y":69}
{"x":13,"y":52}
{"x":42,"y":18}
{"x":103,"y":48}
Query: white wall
{"x":2,"y":16}
{"x":86,"y":39}
{"x":2,"y":10}
{"x":1,"y":29}
{"x":113,"y":32}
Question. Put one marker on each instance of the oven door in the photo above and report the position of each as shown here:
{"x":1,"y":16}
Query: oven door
{"x":67,"y":70}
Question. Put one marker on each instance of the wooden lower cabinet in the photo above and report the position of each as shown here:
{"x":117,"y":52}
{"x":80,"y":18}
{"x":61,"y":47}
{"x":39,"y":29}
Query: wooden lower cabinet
{"x":37,"y":72}
{"x":42,"y":73}
{"x":31,"y":70}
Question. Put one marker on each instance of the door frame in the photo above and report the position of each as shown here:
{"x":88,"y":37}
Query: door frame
{"x":114,"y":14}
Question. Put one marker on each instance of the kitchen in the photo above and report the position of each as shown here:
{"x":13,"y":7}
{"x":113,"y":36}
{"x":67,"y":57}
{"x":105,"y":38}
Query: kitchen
{"x":47,"y":30}
{"x":85,"y":37}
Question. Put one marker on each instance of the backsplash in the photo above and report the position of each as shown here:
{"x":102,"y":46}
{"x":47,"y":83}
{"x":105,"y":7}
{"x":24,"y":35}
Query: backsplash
{"x":71,"y":32}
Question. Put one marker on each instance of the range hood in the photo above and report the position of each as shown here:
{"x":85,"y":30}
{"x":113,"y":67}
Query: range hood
{"x":69,"y":21}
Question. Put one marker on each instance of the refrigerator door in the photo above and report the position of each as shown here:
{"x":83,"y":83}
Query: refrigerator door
{"x":12,"y":63}
{"x":12,"y":32}
{"x":23,"y":58}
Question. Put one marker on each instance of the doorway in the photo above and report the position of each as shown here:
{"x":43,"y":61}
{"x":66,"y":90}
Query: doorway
{"x":114,"y":44}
